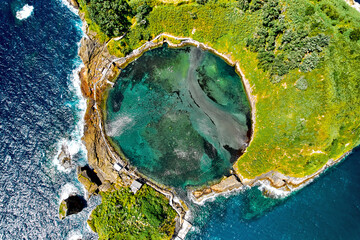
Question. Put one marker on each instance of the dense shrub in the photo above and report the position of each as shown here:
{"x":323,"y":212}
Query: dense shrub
{"x":244,"y":4}
{"x":310,"y":62}
{"x":123,"y":215}
{"x":330,"y":11}
{"x":309,"y":10}
{"x":111,"y":16}
{"x":355,"y":35}
{"x":141,"y":13}
{"x":297,"y":48}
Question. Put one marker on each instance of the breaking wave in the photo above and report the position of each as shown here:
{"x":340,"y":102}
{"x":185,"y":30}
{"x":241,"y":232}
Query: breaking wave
{"x":24,"y":12}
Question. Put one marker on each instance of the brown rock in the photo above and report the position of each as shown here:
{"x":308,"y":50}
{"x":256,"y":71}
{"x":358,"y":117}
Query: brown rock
{"x":226,"y":184}
{"x":74,"y":3}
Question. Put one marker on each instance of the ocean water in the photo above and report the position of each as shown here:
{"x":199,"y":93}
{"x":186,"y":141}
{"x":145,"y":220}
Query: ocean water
{"x":181,"y":116}
{"x":328,"y":208}
{"x":41,"y":108}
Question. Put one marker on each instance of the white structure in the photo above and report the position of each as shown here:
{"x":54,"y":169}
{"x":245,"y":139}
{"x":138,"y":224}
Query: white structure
{"x":185,"y":228}
{"x":135,"y":186}
{"x":117,"y":167}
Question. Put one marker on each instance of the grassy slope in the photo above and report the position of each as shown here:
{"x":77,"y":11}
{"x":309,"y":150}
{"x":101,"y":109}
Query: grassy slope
{"x":290,"y":124}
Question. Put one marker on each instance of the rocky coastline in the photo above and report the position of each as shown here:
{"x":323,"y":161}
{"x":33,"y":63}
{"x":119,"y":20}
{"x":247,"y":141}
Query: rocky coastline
{"x":99,"y":73}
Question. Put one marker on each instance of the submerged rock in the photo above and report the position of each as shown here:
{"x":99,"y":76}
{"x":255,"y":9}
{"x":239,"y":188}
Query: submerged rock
{"x":72,"y":205}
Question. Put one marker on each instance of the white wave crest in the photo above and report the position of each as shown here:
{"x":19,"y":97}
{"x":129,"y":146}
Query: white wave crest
{"x":24,"y":12}
{"x":67,"y":4}
{"x":75,"y":235}
{"x":67,"y":190}
{"x":74,"y":143}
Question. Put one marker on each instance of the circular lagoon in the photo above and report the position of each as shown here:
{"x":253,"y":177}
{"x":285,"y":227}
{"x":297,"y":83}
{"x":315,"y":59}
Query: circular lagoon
{"x":181,"y":116}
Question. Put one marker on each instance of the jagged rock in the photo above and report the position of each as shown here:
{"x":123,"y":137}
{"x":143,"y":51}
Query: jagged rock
{"x":87,"y":48}
{"x":202,"y":192}
{"x":227,"y":184}
{"x":65,"y":157}
{"x":278,"y":182}
{"x":106,"y":186}
{"x":72,"y":205}
{"x":74,"y":3}
{"x":89,"y":179}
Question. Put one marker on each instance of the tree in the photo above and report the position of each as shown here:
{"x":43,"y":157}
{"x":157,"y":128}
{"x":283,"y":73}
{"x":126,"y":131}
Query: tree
{"x":111,"y":16}
{"x":355,"y":35}
{"x":244,"y":4}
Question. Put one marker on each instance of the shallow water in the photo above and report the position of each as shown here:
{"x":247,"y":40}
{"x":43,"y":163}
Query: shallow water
{"x":179,"y":115}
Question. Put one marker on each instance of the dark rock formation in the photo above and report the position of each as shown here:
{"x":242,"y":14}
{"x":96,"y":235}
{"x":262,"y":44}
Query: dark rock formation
{"x":89,"y":179}
{"x":72,"y":205}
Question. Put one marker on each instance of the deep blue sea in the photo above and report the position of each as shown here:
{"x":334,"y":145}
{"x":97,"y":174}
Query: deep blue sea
{"x":41,"y":108}
{"x":328,"y":208}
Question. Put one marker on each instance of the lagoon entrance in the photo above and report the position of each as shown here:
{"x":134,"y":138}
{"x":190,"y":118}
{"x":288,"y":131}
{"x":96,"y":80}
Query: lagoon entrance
{"x":181,"y":116}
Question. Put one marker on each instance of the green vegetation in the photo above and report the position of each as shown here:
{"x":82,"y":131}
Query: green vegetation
{"x":123,"y":215}
{"x":298,"y":45}
{"x":62,"y":210}
{"x":300,"y":124}
{"x":111,"y":16}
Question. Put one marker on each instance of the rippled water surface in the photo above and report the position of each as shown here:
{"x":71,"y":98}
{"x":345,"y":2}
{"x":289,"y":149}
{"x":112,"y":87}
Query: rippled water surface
{"x":40,"y":108}
{"x":328,"y":208}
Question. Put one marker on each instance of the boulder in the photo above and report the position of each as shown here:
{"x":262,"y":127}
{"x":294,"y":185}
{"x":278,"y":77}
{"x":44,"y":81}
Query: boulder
{"x":72,"y":205}
{"x":89,"y":179}
{"x":65,"y":157}
{"x":74,"y":3}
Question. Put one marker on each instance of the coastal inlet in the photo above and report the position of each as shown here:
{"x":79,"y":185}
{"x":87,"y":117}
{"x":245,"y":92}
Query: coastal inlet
{"x":181,"y":116}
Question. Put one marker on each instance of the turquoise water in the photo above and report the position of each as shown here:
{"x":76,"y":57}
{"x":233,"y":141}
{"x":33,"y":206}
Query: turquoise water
{"x":181,"y":116}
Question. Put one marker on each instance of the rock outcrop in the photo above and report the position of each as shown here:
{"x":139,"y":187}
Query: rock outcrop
{"x":72,"y":205}
{"x":65,"y":157}
{"x":74,"y":3}
{"x":226,"y":185}
{"x":89,"y":179}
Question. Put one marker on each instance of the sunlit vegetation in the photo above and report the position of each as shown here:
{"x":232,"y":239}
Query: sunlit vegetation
{"x":123,"y":215}
{"x":301,"y":58}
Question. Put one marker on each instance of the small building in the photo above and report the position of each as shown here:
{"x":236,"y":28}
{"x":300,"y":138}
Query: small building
{"x":185,"y":228}
{"x":118,"y":166}
{"x":135,"y":186}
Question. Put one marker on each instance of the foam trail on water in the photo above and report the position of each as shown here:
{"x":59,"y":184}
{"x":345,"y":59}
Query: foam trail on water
{"x":74,"y":143}
{"x":24,"y":12}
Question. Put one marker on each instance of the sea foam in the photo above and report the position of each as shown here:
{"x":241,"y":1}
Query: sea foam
{"x":24,"y":12}
{"x":67,"y":190}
